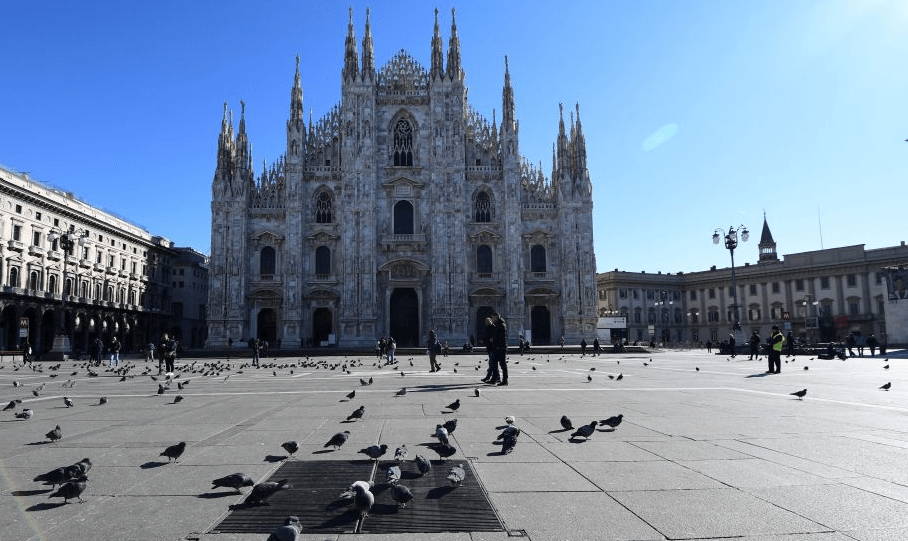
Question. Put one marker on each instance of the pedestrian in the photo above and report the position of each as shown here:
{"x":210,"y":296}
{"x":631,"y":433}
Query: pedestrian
{"x":168,"y":352}
{"x":561,"y":342}
{"x":776,"y":341}
{"x":434,"y":348}
{"x":256,"y":346}
{"x":392,"y":345}
{"x":597,"y":349}
{"x":498,"y":342}
{"x":860,"y":343}
{"x":492,"y":368}
{"x":114,"y":351}
{"x":96,"y":348}
{"x":26,"y":350}
{"x":445,"y":349}
{"x":582,"y":347}
{"x":382,"y":347}
{"x":754,"y":343}
{"x":791,"y":343}
{"x":149,"y":351}
{"x":872,"y":343}
{"x":850,"y":343}
{"x":709,"y":346}
{"x":731,"y":344}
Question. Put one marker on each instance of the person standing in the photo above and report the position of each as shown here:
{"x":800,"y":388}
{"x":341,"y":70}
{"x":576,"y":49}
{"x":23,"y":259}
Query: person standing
{"x":167,"y":351}
{"x":872,"y":343}
{"x":434,"y":348}
{"x":499,"y":349}
{"x":392,"y":345}
{"x":709,"y":346}
{"x":561,"y":342}
{"x":256,"y":346}
{"x":149,"y":351}
{"x":492,"y":370}
{"x":776,"y":341}
{"x":114,"y":351}
{"x":791,"y":344}
{"x":754,"y":343}
{"x":860,"y":344}
{"x":597,"y":348}
{"x":582,"y":347}
{"x":849,"y":343}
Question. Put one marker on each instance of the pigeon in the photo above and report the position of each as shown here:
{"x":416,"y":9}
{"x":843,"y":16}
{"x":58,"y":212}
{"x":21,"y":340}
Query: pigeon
{"x":55,"y":477}
{"x":401,"y":453}
{"x":375,"y":451}
{"x":13,"y":404}
{"x":510,"y":419}
{"x":177,"y":399}
{"x":450,"y":425}
{"x":81,"y":467}
{"x":55,"y":434}
{"x":441,"y":434}
{"x":887,"y":386}
{"x":886,"y":367}
{"x":71,"y":489}
{"x":348,"y":495}
{"x":509,"y":441}
{"x":363,"y":382}
{"x":351,"y":394}
{"x":160,"y":389}
{"x":422,"y":464}
{"x":174,"y":451}
{"x":620,"y":377}
{"x":362,"y":500}
{"x":509,"y":430}
{"x":291,"y":447}
{"x":234,"y":481}
{"x":17,"y":384}
{"x":612,"y":422}
{"x":402,"y":391}
{"x":25,"y":414}
{"x":454,"y":406}
{"x":456,"y":475}
{"x":102,"y":401}
{"x":68,"y":401}
{"x":289,"y":531}
{"x":262,"y":491}
{"x":566,"y":423}
{"x":393,"y":475}
{"x":800,"y":394}
{"x":401,"y":494}
{"x":586,"y":430}
{"x":589,"y":378}
{"x":358,"y":414}
{"x":444,"y":450}
{"x":476,"y":391}
{"x":338,"y":439}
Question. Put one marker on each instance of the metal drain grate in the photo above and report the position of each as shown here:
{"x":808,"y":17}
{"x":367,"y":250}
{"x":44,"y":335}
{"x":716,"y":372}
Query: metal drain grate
{"x":436,"y":506}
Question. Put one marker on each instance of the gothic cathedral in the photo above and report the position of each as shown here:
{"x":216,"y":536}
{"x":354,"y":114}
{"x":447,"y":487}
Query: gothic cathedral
{"x":400,"y":211}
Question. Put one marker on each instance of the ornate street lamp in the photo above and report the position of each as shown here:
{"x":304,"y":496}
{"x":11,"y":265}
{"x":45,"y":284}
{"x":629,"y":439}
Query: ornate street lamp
{"x":731,"y":242}
{"x":67,"y":241}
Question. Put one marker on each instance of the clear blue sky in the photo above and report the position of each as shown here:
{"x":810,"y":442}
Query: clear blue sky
{"x":697,"y":114}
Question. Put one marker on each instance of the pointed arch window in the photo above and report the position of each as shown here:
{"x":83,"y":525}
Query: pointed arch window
{"x":484,"y":259}
{"x":537,"y":258}
{"x":323,"y":209}
{"x":403,"y":144}
{"x":267,"y":262}
{"x":322,"y":262}
{"x":483,"y":207}
{"x":403,"y":218}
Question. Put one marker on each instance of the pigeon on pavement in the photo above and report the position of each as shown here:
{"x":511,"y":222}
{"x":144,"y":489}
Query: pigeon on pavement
{"x":234,"y":481}
{"x":174,"y":451}
{"x":402,"y":391}
{"x":102,"y":401}
{"x":612,"y":422}
{"x":423,"y":464}
{"x":444,"y":450}
{"x":13,"y":404}
{"x":68,"y":401}
{"x":509,"y":441}
{"x":358,"y":414}
{"x":441,"y":434}
{"x":289,"y":531}
{"x":566,"y":423}
{"x":453,"y":406}
{"x":54,"y":477}
{"x":510,"y":419}
{"x":71,"y":489}
{"x":351,"y":394}
{"x":262,"y":491}
{"x":800,"y":394}
{"x":375,"y":451}
{"x":886,"y":386}
{"x":393,"y":475}
{"x":450,"y":425}
{"x":25,"y":414}
{"x":55,"y":434}
{"x":401,"y":453}
{"x":291,"y":447}
{"x":338,"y":439}
{"x":362,"y":500}
{"x":510,"y":430}
{"x":456,"y":475}
{"x":401,"y":494}
{"x":585,"y":431}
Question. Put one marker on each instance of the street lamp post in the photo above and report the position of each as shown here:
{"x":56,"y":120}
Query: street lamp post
{"x":808,"y":299}
{"x":664,"y":300}
{"x":67,"y":241}
{"x":731,"y":242}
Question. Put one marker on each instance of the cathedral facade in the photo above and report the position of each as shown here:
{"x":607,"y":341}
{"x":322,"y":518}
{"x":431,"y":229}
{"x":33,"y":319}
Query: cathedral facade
{"x":400,"y":211}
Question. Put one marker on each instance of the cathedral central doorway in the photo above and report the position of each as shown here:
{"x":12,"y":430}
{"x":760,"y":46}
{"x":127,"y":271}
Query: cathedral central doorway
{"x":321,"y":325}
{"x":540,"y":324}
{"x":267,"y":326}
{"x":405,"y":317}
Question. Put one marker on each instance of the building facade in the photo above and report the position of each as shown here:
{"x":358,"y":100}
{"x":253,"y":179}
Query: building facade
{"x":190,"y":297}
{"x":819,"y":296}
{"x":401,"y":210}
{"x":72,"y":273}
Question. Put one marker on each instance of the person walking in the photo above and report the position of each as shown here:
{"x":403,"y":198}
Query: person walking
{"x":776,"y":341}
{"x":434,"y":348}
{"x":114,"y":351}
{"x":499,"y":349}
{"x":561,"y":342}
{"x":582,"y":347}
{"x":872,"y":343}
{"x":709,"y":346}
{"x":850,"y":343}
{"x":392,"y":345}
{"x":597,"y":348}
{"x":168,"y":352}
{"x":149,"y":351}
{"x":754,"y":343}
{"x":492,"y":369}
